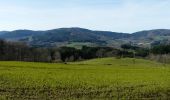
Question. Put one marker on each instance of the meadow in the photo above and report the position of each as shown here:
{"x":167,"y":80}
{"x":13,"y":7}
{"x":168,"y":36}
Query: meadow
{"x":97,"y":79}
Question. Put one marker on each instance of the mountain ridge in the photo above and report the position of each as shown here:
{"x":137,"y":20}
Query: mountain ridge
{"x":65,"y":36}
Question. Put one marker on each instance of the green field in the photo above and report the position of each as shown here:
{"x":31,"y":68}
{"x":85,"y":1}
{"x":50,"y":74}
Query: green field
{"x":108,"y":78}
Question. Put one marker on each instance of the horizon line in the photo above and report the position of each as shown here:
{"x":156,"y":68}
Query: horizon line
{"x":82,"y":28}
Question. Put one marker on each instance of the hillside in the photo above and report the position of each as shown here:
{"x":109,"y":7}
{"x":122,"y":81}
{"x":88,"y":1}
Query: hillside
{"x":3,"y":32}
{"x":153,"y":37}
{"x":106,"y":78}
{"x":80,"y":36}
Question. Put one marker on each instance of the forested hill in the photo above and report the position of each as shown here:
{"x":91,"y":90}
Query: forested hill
{"x":80,"y":36}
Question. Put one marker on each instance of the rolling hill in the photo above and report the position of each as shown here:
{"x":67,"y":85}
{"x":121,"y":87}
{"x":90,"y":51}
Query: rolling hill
{"x":106,"y":78}
{"x":80,"y":36}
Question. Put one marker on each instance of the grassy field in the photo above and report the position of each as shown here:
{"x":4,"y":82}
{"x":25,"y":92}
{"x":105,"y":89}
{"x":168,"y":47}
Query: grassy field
{"x":108,"y":78}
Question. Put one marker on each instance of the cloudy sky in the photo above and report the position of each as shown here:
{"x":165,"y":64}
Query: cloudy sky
{"x":110,"y":15}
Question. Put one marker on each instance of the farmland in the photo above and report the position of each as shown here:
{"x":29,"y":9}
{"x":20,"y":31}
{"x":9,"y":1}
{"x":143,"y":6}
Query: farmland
{"x":106,"y":78}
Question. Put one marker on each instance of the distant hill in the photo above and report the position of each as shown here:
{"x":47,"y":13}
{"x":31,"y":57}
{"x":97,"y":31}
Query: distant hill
{"x":80,"y":36}
{"x":18,"y":34}
{"x":151,"y":37}
{"x":151,"y":33}
{"x":3,"y":32}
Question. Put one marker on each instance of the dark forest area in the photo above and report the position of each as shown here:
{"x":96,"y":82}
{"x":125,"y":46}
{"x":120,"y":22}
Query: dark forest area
{"x":17,"y":51}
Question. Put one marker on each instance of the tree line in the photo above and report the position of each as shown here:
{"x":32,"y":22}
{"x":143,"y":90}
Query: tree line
{"x":17,"y":51}
{"x":160,"y":53}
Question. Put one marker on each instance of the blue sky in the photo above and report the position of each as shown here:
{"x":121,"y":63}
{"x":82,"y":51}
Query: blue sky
{"x":110,"y":15}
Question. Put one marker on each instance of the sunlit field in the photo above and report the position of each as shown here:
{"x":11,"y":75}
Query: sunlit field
{"x":107,"y":78}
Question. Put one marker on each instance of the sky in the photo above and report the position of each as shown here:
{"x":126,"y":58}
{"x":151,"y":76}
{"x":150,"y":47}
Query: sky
{"x":108,"y":15}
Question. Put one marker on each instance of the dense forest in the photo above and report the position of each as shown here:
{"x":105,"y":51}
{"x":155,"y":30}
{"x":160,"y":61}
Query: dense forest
{"x":17,"y":51}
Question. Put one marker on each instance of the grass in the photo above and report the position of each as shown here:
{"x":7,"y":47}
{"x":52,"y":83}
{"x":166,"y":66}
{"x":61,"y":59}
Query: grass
{"x":79,"y":45}
{"x":106,"y":78}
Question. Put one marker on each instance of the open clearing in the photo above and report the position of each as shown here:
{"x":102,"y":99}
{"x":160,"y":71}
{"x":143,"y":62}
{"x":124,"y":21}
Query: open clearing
{"x":106,"y":78}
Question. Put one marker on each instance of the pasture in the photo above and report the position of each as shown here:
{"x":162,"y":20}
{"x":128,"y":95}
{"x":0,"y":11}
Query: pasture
{"x":106,"y":78}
